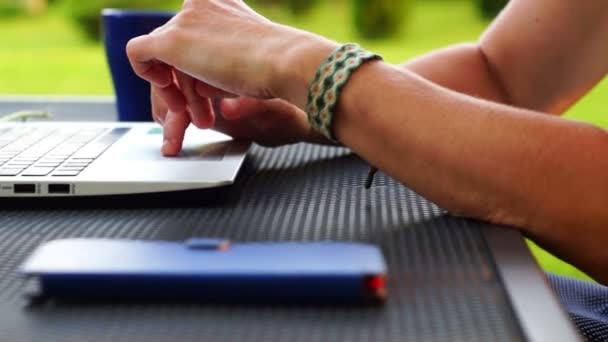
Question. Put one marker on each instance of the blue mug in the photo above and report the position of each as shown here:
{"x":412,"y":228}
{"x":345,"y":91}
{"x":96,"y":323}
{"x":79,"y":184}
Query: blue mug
{"x":132,"y":92}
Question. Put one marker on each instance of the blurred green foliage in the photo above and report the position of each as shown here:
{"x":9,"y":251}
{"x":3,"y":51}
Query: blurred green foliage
{"x":490,"y":8}
{"x":377,"y":19}
{"x":301,"y":7}
{"x":86,"y":14}
{"x":9,"y":8}
{"x":380,"y":18}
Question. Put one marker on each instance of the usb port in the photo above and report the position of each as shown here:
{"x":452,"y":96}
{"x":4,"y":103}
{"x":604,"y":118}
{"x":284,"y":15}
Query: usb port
{"x":24,"y":188}
{"x":59,"y":188}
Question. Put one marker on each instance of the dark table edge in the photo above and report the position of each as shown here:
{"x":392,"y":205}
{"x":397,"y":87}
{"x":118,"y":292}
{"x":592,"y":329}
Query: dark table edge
{"x":537,"y":308}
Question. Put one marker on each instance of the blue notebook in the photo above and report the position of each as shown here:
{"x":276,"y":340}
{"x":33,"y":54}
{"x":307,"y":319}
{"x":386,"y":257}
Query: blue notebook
{"x":209,"y":270}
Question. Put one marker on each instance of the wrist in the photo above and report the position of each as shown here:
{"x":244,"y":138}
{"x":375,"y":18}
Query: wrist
{"x":296,"y":60}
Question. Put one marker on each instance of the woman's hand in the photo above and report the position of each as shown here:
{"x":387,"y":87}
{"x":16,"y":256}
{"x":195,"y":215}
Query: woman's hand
{"x":267,"y":122}
{"x":213,"y":41}
{"x":216,"y":49}
{"x":226,"y":45}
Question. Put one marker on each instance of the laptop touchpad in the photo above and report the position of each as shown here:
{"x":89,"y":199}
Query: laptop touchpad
{"x":210,"y":151}
{"x":199,"y":145}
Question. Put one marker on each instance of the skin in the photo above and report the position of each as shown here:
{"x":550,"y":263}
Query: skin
{"x":475,"y":114}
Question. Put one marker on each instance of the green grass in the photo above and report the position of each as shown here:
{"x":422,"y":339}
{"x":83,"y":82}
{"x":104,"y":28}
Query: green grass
{"x":552,"y":264}
{"x":46,"y":55}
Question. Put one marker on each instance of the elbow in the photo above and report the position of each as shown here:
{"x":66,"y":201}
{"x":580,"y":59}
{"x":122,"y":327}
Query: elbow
{"x":521,"y":87}
{"x":493,"y":74}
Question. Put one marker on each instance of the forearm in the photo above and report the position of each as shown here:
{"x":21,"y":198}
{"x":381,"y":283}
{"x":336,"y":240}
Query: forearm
{"x":463,"y":68}
{"x":480,"y":159}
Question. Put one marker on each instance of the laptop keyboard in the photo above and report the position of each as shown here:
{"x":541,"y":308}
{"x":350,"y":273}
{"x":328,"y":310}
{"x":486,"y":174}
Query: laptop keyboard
{"x":59,"y":152}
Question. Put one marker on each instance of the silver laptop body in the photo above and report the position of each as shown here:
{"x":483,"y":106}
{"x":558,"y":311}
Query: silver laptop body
{"x":89,"y":159}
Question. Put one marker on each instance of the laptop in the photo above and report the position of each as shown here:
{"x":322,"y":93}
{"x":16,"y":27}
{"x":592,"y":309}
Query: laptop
{"x":59,"y":159}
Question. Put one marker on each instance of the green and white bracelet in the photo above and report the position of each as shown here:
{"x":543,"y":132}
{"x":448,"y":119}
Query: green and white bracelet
{"x":331,"y":77}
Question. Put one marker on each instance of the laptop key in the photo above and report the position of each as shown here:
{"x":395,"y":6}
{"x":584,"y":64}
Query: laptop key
{"x":71,"y":169}
{"x":58,"y":156}
{"x":21,"y":163}
{"x":10,"y":165}
{"x":61,"y":173}
{"x":68,"y":164}
{"x":38,"y":171}
{"x":91,"y":151}
{"x":46,"y":164}
{"x":10,"y":172}
{"x":53,"y":159}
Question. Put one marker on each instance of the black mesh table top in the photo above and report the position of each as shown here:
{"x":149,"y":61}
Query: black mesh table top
{"x":443,"y":284}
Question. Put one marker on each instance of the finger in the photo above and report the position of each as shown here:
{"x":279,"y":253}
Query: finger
{"x":270,"y":122}
{"x":174,"y":131}
{"x":159,"y":107}
{"x":173,"y":97}
{"x":235,"y":129}
{"x":159,"y":74}
{"x":205,"y":90}
{"x":254,"y":128}
{"x":246,"y":107}
{"x":199,"y":107}
{"x":145,"y":63}
{"x":240,"y":108}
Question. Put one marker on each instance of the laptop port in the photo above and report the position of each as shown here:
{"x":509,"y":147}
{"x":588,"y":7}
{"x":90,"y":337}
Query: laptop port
{"x":24,"y":188}
{"x":59,"y":189}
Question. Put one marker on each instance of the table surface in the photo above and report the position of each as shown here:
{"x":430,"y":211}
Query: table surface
{"x":449,"y":278}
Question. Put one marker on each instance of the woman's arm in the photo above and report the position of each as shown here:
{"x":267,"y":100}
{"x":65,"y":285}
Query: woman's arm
{"x":463,"y":68}
{"x":481,"y":159}
{"x":541,"y":55}
{"x":510,"y":166}
{"x":548,"y":54}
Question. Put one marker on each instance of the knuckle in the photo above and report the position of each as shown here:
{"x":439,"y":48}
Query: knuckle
{"x":187,"y":15}
{"x":199,"y":126}
{"x":158,"y":116}
{"x":198,"y":122}
{"x":157,"y":30}
{"x":175,"y":37}
{"x":193,"y":3}
{"x":159,"y":111}
{"x":157,"y":119}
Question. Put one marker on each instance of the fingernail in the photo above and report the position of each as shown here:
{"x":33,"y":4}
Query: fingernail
{"x":167,"y":146}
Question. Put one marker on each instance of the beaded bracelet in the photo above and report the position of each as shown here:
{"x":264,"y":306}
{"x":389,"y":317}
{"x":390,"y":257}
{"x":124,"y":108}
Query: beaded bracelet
{"x":331,"y":77}
{"x":325,"y":89}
